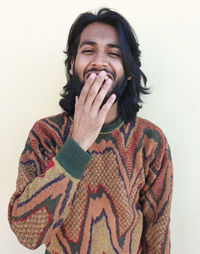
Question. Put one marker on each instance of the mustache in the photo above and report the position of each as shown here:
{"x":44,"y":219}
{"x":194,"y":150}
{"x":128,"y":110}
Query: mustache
{"x":98,"y":70}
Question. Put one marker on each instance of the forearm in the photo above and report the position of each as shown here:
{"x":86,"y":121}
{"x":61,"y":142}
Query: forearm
{"x":39,"y":211}
{"x":156,"y":234}
{"x":156,"y":202}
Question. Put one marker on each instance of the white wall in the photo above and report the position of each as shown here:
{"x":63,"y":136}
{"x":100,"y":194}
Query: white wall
{"x":33,"y":35}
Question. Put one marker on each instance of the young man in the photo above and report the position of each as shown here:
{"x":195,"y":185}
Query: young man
{"x":96,"y":178}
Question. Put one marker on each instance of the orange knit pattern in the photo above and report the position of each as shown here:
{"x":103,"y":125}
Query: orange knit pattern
{"x":121,"y":204}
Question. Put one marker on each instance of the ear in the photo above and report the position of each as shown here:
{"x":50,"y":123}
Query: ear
{"x":129,"y":78}
{"x":72,"y":67}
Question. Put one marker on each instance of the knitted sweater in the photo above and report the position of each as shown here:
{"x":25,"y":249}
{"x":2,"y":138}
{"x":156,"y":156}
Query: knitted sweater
{"x":115,"y":198}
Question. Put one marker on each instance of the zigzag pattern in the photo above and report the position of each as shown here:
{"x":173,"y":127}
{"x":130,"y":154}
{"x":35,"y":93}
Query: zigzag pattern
{"x":120,"y":205}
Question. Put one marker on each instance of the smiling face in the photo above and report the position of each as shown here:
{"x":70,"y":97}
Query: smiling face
{"x":98,"y":50}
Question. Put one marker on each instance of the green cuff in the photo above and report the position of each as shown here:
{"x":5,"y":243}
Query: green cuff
{"x":73,"y":158}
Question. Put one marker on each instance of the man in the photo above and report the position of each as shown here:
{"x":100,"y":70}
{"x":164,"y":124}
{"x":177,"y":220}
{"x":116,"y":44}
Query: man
{"x":96,"y":178}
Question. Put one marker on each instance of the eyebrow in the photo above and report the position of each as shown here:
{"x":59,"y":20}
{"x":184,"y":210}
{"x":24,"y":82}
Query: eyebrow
{"x":93,"y":43}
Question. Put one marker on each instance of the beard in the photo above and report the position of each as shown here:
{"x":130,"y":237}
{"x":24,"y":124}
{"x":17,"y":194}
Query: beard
{"x":76,"y":85}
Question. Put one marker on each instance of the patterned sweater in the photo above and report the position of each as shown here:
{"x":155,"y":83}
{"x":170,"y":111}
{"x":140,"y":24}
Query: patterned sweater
{"x":115,"y":198}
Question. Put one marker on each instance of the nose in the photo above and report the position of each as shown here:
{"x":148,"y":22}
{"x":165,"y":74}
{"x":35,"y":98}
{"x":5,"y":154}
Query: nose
{"x":99,"y":61}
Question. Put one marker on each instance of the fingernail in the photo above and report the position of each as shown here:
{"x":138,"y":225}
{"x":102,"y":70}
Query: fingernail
{"x":108,"y":81}
{"x":93,"y":75}
{"x":102,"y":73}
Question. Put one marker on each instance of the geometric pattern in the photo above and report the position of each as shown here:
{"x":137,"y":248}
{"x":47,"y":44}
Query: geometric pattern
{"x":120,"y":205}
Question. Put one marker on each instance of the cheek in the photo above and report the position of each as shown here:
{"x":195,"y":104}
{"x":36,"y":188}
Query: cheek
{"x":120,"y":71}
{"x":118,"y":66}
{"x":81,"y":64}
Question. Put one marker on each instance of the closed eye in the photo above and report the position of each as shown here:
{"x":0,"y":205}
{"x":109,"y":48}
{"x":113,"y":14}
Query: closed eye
{"x":87,"y":51}
{"x":115,"y":54}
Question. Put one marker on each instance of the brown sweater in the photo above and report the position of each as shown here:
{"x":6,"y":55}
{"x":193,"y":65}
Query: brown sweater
{"x":115,"y":198}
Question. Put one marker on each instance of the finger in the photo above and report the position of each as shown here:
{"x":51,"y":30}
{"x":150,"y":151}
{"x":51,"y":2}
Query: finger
{"x":84,"y":92}
{"x":106,"y":107}
{"x":76,"y":101}
{"x":94,"y":89}
{"x":101,"y":95}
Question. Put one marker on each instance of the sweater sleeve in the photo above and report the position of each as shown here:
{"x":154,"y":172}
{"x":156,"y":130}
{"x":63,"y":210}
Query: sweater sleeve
{"x":45,"y":187}
{"x":156,"y":201}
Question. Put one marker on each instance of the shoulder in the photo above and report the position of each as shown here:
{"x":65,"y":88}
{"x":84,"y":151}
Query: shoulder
{"x":52,"y":127}
{"x":150,"y":134}
{"x":153,"y":139}
{"x":147,"y":127}
{"x":52,"y":122}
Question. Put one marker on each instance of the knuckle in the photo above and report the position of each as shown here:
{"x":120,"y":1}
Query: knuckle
{"x":89,"y":81}
{"x":105,"y":89}
{"x":84,"y":91}
{"x":85,"y":110}
{"x":92,"y":91}
{"x":106,"y":106}
{"x":93,"y":116}
{"x":100,"y":98}
{"x":99,"y":121}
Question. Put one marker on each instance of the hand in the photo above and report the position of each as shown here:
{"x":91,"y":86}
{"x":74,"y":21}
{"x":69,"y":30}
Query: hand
{"x":89,"y":116}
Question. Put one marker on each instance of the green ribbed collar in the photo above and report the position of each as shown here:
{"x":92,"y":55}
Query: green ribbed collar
{"x":112,"y":126}
{"x":109,"y":127}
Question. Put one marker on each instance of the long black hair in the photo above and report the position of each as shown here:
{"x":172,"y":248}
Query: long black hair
{"x":130,"y":101}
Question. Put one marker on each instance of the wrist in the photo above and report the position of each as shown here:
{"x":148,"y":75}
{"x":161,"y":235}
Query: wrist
{"x":80,"y":143}
{"x":73,"y":158}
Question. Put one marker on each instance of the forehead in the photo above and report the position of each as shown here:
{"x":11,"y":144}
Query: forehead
{"x":99,"y":33}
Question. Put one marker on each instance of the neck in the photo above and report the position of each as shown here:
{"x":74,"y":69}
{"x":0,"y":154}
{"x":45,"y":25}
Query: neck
{"x":112,"y":114}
